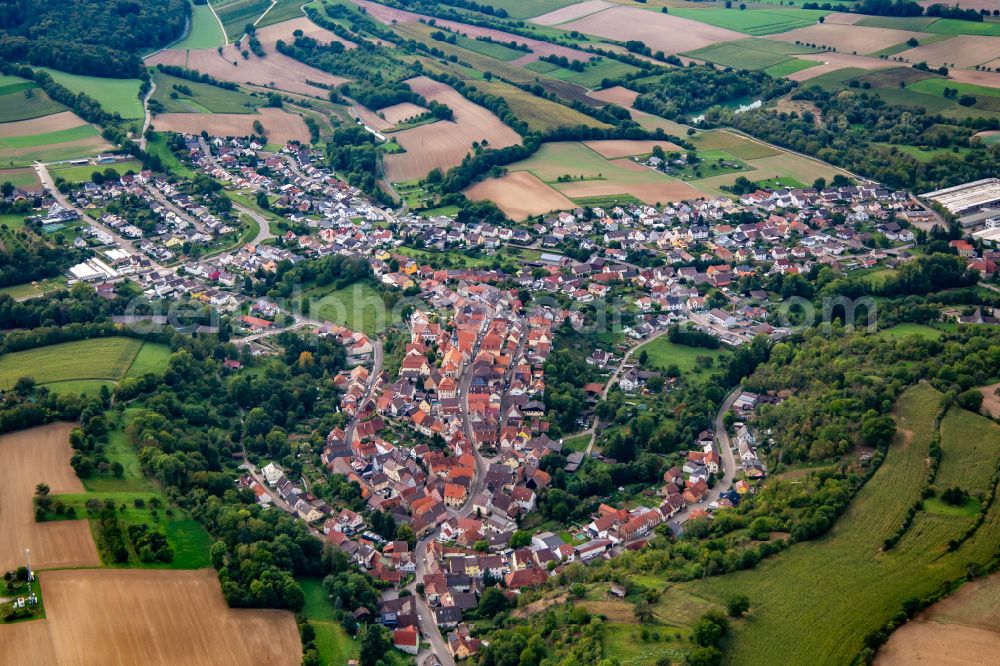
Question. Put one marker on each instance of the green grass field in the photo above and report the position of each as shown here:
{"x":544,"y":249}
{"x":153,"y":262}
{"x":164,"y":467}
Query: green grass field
{"x":157,"y":145}
{"x":590,"y":77}
{"x":25,"y":177}
{"x":48,"y":138}
{"x":915,"y":23}
{"x":96,"y":361}
{"x":204,"y":97}
{"x":662,"y":354}
{"x":578,"y":443}
{"x":236,"y":14}
{"x":520,"y":9}
{"x":491,"y":49}
{"x":21,"y":106}
{"x":334,"y":645}
{"x":81,"y":174}
{"x":119,"y":96}
{"x":190,"y":541}
{"x":752,"y":54}
{"x":205,"y":32}
{"x":789,"y":67}
{"x":358,"y":307}
{"x":752,"y":21}
{"x":957,"y":27}
{"x":815,"y":602}
{"x":906,"y":330}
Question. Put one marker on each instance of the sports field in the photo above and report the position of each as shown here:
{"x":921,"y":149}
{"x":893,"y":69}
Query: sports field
{"x":98,"y":361}
{"x":205,"y":32}
{"x":815,"y":602}
{"x":119,"y":96}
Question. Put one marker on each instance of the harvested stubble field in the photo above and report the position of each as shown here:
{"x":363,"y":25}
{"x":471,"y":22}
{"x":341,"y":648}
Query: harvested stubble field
{"x":285,"y":30}
{"x":849,"y":38}
{"x":959,"y":629}
{"x":616,"y":95}
{"x":443,"y":144}
{"x":280,"y":126}
{"x":660,"y":32}
{"x":615,"y":148}
{"x":275,"y":70}
{"x":539,"y":48}
{"x":540,"y":114}
{"x":397,"y":113}
{"x":124,"y":617}
{"x":27,"y":458}
{"x":520,"y":195}
{"x":52,"y":123}
{"x":960,"y":51}
{"x":572,"y":12}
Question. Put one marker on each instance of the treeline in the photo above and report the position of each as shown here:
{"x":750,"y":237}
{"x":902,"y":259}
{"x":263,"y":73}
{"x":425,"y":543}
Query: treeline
{"x":196,"y":76}
{"x":681,"y":91}
{"x":871,"y":122}
{"x":902,"y":8}
{"x":97,"y":38}
{"x":692,"y":337}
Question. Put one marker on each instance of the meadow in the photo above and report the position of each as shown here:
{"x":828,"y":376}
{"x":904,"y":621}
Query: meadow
{"x":332,"y":642}
{"x":358,"y":307}
{"x":203,"y":97}
{"x":540,"y":114}
{"x":100,"y":360}
{"x":752,"y":54}
{"x":816,"y":601}
{"x":205,"y":32}
{"x":119,"y":96}
{"x":490,"y":49}
{"x":528,"y":8}
{"x":754,"y":21}
{"x":24,"y":102}
{"x":590,"y":77}
{"x":661,"y":354}
{"x":80,"y":174}
{"x":235,"y":14}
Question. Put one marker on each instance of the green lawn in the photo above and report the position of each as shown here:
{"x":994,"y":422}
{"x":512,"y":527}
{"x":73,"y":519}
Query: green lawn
{"x":157,"y":145}
{"x":906,"y":330}
{"x":119,"y":96}
{"x":23,"y":106}
{"x":815,"y":602}
{"x":752,"y":21}
{"x":578,"y":443}
{"x":358,"y":307}
{"x":662,"y":354}
{"x":334,"y":645}
{"x":82,"y":174}
{"x":205,"y":32}
{"x":204,"y":97}
{"x":119,"y":449}
{"x":94,"y":362}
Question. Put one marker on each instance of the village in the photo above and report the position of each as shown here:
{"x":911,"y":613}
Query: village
{"x":453,"y":444}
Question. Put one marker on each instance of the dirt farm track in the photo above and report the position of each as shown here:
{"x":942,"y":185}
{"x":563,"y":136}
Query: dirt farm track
{"x":134,"y":616}
{"x":27,"y":458}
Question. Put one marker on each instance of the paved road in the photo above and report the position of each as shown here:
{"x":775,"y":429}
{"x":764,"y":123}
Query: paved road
{"x":428,"y":625}
{"x":611,"y":382}
{"x":46,"y":179}
{"x":147,"y":117}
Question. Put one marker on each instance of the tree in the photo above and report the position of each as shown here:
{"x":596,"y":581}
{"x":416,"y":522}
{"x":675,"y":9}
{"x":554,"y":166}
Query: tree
{"x":705,"y":656}
{"x":492,"y":603}
{"x":971,"y":400}
{"x":375,"y":644}
{"x":520,"y":539}
{"x":738,"y":606}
